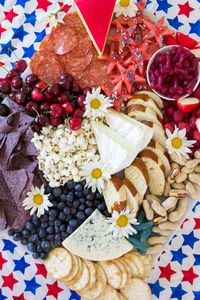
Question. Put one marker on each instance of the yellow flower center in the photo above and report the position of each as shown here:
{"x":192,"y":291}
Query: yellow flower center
{"x":95,"y":103}
{"x":38,"y":199}
{"x":124,"y":3}
{"x":122,"y":221}
{"x":176,"y":143}
{"x":96,"y":173}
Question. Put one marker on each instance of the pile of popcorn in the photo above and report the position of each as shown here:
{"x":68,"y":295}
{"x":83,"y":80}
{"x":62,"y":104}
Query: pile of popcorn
{"x":62,"y":152}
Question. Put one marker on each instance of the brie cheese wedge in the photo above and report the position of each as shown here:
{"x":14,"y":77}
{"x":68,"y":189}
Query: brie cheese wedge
{"x":93,"y":240}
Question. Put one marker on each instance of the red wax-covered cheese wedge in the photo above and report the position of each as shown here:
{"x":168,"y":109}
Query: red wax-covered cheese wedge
{"x":170,"y":40}
{"x":186,"y":41}
{"x":96,"y":17}
{"x":188,"y":104}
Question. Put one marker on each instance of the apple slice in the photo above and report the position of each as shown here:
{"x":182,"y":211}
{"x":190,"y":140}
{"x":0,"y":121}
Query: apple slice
{"x":188,"y":104}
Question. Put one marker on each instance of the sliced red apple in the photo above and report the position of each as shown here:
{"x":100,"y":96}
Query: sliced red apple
{"x":188,"y":104}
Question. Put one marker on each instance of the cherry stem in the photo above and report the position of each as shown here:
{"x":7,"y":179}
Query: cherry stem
{"x":5,"y":68}
{"x":37,"y":113}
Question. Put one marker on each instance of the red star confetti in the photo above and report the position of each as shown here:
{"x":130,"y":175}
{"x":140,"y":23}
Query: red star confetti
{"x":44,"y":4}
{"x":157,"y":31}
{"x":10,"y":15}
{"x":20,"y":297}
{"x":189,"y":275}
{"x":167,"y":272}
{"x":185,"y":9}
{"x":41,"y":270}
{"x":112,"y":58}
{"x":9,"y":281}
{"x":197,"y":223}
{"x":54,"y":289}
{"x":2,"y":261}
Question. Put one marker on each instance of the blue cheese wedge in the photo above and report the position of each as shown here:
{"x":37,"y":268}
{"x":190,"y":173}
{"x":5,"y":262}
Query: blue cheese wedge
{"x":93,"y":240}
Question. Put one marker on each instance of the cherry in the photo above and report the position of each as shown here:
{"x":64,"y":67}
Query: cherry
{"x":32,"y":106}
{"x":67,"y":108}
{"x":35,"y":127}
{"x":5,"y":87}
{"x":54,"y":89}
{"x":86,"y":90}
{"x":66,"y":81}
{"x":78,"y":112}
{"x":41,"y":85}
{"x":12,"y":96}
{"x":75,"y":123}
{"x":42,"y":120}
{"x":80,"y":101}
{"x":48,"y":97}
{"x":76,"y":88}
{"x":56,"y":110}
{"x":45,"y":107}
{"x":20,"y":98}
{"x":55,"y":121}
{"x":4,"y":110}
{"x":11,"y":74}
{"x":27,"y":89}
{"x":20,"y":65}
{"x":63,"y":98}
{"x":37,"y":95}
{"x":16,"y":82}
{"x":31,"y":79}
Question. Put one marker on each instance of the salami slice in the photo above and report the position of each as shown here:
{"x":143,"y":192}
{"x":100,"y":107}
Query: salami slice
{"x":77,"y":64}
{"x":64,"y":39}
{"x":41,"y":56}
{"x":49,"y":71}
{"x":45,"y":44}
{"x":74,"y":21}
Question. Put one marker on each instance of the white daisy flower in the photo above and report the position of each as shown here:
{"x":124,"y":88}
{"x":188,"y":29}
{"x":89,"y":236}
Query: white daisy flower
{"x":128,"y":8}
{"x":96,"y":104}
{"x":177,"y":142}
{"x":36,"y":200}
{"x":121,"y":223}
{"x":50,"y":18}
{"x":95,"y":175}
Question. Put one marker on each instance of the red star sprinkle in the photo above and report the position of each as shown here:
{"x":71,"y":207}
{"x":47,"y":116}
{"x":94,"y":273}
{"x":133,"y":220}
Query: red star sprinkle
{"x":189,"y":275}
{"x":185,"y":9}
{"x":44,"y":4}
{"x":184,"y":223}
{"x":9,"y":281}
{"x":197,"y":223}
{"x":41,"y":270}
{"x":10,"y":15}
{"x":54,"y":289}
{"x":20,"y":297}
{"x":167,"y":272}
{"x":2,"y":261}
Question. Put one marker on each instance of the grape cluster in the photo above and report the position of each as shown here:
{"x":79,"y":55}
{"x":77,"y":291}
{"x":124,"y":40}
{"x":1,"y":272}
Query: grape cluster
{"x":72,"y":205}
{"x":48,"y":104}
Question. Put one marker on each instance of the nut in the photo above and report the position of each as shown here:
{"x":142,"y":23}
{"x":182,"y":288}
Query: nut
{"x":159,"y":210}
{"x":181,"y":160}
{"x":191,"y":190}
{"x":178,"y":186}
{"x":197,"y":154}
{"x":186,"y":170}
{"x":181,"y":177}
{"x":156,"y":229}
{"x":155,"y":249}
{"x":173,"y":175}
{"x":166,"y":189}
{"x":154,"y":240}
{"x":169,"y":203}
{"x":195,"y":178}
{"x":197,"y":169}
{"x":148,"y":210}
{"x":178,"y":193}
{"x":159,"y":220}
{"x":179,"y":212}
{"x":151,"y":198}
{"x":193,"y":163}
{"x":174,"y":166}
{"x":168,"y":225}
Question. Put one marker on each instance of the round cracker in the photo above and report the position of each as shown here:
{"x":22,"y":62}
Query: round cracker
{"x":59,"y":263}
{"x":137,"y":260}
{"x":82,"y":281}
{"x":147,"y":262}
{"x":133,"y":267}
{"x":98,"y":287}
{"x":124,"y":274}
{"x":77,"y":265}
{"x":121,"y":297}
{"x":127,"y":267}
{"x":93,"y":274}
{"x":113,"y":273}
{"x":109,"y":293}
{"x":136,"y":289}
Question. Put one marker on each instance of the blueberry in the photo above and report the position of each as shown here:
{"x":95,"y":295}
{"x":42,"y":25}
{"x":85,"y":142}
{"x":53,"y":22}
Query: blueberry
{"x":98,"y":195}
{"x":70,"y":184}
{"x":48,"y":190}
{"x":51,"y":198}
{"x":57,"y":236}
{"x":36,"y":223}
{"x":57,"y":223}
{"x":50,"y":237}
{"x":62,"y":216}
{"x":17,"y":236}
{"x":36,"y":255}
{"x":86,"y":192}
{"x":43,"y":255}
{"x":35,"y":218}
{"x":42,"y":233}
{"x":80,"y":215}
{"x":25,"y":233}
{"x":45,"y":246}
{"x":70,"y":198}
{"x":57,"y":229}
{"x":35,"y":238}
{"x":70,"y":230}
{"x":64,"y":234}
{"x":78,"y":194}
{"x":24,"y":242}
{"x":58,"y":243}
{"x":53,"y":214}
{"x":81,"y":207}
{"x":65,"y":191}
{"x":89,"y":203}
{"x":57,"y":192}
{"x":68,"y":218}
{"x":31,"y":247}
{"x":73,"y":223}
{"x":44,"y":225}
{"x":11,"y":232}
{"x":50,"y":230}
{"x":82,"y":200}
{"x":67,"y":211}
{"x":44,"y":218}
{"x":76,"y":204}
{"x":51,"y":223}
{"x":39,"y":248}
{"x":63,"y":227}
{"x":90,"y":197}
{"x":106,"y":213}
{"x":78,"y":187}
{"x":63,"y":197}
{"x":101,"y":207}
{"x":73,"y":211}
{"x":61,"y":205}
{"x":88,"y":211}
{"x":28,"y":226}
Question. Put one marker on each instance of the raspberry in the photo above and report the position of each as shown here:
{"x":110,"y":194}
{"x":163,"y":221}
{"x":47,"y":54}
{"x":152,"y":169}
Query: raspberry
{"x":166,"y":119}
{"x":169,"y":126}
{"x":170,"y":111}
{"x":178,"y":116}
{"x":183,"y":125}
{"x":193,"y":122}
{"x":196,"y":135}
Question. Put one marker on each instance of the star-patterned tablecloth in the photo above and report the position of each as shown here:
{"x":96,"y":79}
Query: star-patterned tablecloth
{"x":176,"y":274}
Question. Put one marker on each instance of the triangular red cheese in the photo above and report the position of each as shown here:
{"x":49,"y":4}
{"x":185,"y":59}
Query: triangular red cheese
{"x":96,"y":16}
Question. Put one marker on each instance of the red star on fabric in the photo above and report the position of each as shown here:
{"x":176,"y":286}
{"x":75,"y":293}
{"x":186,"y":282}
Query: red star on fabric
{"x":184,"y":223}
{"x":189,"y":275}
{"x":9,"y":281}
{"x":41,"y":270}
{"x":2,"y":260}
{"x":2,"y":30}
{"x":197,"y":223}
{"x":20,"y":297}
{"x":54,"y":289}
{"x":10,"y":15}
{"x":167,"y":272}
{"x":185,"y":9}
{"x":64,"y":8}
{"x":44,"y":4}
